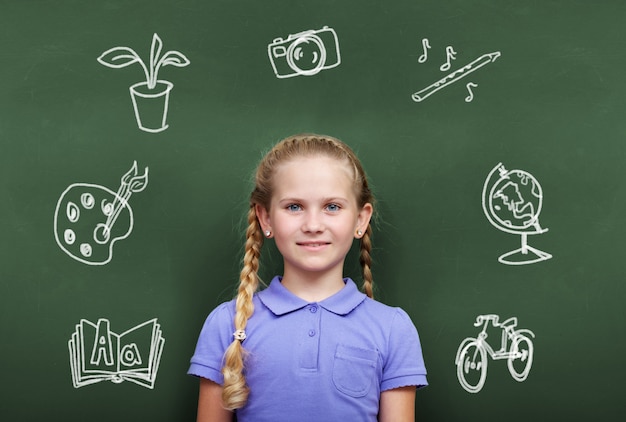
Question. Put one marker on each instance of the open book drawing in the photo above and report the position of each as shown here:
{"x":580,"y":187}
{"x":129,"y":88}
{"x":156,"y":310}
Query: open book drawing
{"x":98,"y":354}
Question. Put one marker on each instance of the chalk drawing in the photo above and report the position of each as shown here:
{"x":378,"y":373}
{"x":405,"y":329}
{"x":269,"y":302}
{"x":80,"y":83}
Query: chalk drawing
{"x":452,"y":77}
{"x":512,"y":201}
{"x":470,"y":95}
{"x":90,"y":218}
{"x":425,"y":47}
{"x":150,"y":97}
{"x":98,"y":354}
{"x":305,"y":53}
{"x":515,"y":346}
{"x":450,"y":55}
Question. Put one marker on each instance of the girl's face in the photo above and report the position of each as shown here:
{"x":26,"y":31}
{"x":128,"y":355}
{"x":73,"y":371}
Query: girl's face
{"x":314,"y":216}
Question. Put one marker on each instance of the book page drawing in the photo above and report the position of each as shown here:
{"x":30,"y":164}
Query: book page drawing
{"x":454,"y":76}
{"x":512,"y":201}
{"x":515,"y":346}
{"x":305,"y":53}
{"x":98,"y":354}
{"x":150,"y":97}
{"x":90,"y":218}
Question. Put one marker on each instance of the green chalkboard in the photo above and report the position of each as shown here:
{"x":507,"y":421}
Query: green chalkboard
{"x":493,"y":132}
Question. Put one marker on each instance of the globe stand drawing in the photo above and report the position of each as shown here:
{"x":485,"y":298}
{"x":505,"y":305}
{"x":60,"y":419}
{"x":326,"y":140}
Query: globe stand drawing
{"x":512,"y":201}
{"x":525,"y":254}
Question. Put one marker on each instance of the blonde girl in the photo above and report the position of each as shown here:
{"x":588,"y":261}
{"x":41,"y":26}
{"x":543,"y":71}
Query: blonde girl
{"x":310,"y":346}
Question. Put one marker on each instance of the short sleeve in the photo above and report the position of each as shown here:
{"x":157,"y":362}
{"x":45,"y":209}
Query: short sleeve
{"x":215,"y":337}
{"x":404,"y":363}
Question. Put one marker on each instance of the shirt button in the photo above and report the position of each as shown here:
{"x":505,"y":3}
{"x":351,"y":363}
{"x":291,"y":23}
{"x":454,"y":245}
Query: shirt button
{"x":311,"y":333}
{"x":313,"y":309}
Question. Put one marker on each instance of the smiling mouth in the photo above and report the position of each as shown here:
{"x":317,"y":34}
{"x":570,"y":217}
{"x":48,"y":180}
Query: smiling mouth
{"x":313,"y":244}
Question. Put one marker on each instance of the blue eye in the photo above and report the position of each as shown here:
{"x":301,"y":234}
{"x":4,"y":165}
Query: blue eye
{"x":293,"y":207}
{"x":333,"y":207}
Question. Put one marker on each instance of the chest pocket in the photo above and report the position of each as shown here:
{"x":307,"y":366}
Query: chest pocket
{"x":354,"y":370}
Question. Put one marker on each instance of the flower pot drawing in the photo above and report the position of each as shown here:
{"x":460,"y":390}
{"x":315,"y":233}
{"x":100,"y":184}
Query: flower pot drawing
{"x":151,"y":105}
{"x":151,"y":96}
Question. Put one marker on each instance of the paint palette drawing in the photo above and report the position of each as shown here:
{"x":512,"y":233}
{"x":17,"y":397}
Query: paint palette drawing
{"x":90,"y":218}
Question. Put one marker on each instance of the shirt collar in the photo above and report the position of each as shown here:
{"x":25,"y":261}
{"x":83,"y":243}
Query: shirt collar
{"x":281,"y":301}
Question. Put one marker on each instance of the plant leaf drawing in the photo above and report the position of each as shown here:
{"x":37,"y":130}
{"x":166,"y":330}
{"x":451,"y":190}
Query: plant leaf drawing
{"x":173,"y":58}
{"x":155,"y":52}
{"x":118,"y":57}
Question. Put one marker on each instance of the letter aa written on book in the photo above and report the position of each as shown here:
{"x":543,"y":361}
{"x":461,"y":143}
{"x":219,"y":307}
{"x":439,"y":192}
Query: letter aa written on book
{"x":98,"y":354}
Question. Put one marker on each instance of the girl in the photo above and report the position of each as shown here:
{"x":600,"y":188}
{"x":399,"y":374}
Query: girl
{"x":309,"y":347}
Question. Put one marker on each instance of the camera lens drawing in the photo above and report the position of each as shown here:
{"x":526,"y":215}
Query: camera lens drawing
{"x":512,"y":201}
{"x":305,"y":53}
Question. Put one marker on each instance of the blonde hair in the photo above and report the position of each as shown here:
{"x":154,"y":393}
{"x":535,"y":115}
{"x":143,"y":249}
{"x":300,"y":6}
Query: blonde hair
{"x":235,"y":391}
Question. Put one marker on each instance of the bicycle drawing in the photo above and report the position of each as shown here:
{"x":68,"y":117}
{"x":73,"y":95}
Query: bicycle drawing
{"x":516,"y":347}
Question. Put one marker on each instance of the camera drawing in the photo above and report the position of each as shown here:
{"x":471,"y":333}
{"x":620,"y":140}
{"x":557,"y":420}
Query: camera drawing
{"x":305,"y":53}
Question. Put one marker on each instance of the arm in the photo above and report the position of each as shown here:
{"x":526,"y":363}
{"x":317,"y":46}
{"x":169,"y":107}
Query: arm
{"x":210,"y":403}
{"x":397,"y":405}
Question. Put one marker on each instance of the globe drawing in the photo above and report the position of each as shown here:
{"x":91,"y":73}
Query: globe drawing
{"x":512,"y":201}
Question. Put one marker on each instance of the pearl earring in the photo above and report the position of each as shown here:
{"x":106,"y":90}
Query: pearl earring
{"x":268,"y":233}
{"x":359,"y":233}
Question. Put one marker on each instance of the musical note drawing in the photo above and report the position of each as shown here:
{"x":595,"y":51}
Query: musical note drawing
{"x":469,"y":87}
{"x":150,"y":97}
{"x":305,"y":53}
{"x":450,"y":55}
{"x":90,"y":218}
{"x":516,"y":346}
{"x":98,"y":354}
{"x":455,"y":76}
{"x":425,"y":47}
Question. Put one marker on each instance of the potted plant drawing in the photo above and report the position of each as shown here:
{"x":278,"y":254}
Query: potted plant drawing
{"x":150,"y":97}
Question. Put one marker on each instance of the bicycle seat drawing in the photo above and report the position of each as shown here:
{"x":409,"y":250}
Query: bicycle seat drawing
{"x":516,"y":347}
{"x":90,"y":218}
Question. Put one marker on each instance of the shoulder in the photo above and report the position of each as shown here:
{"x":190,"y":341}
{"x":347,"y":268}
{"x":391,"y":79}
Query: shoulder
{"x":222,"y":312}
{"x":387,"y":326}
{"x":218,"y":324}
{"x":221,"y":318}
{"x":391,"y":323}
{"x":389,"y":313}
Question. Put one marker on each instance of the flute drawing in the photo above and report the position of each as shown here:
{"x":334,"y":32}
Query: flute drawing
{"x":455,"y":76}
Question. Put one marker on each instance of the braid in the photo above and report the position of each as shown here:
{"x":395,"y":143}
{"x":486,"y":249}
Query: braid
{"x":365,"y":258}
{"x":235,"y":391}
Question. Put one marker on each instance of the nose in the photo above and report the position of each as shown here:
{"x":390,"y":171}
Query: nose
{"x":312,"y":223}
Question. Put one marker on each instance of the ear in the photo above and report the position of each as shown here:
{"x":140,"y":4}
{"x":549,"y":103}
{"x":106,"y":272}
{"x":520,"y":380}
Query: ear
{"x":364,"y":217}
{"x":263,"y":216}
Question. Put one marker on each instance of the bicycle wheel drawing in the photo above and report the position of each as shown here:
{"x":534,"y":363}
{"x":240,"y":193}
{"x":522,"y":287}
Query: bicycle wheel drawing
{"x":471,"y":366}
{"x":521,"y":359}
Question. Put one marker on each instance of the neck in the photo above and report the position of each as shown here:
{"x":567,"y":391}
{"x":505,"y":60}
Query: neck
{"x":313,"y":287}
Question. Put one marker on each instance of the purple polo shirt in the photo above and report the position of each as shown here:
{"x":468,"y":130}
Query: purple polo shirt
{"x":324,"y":361}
